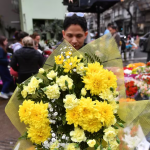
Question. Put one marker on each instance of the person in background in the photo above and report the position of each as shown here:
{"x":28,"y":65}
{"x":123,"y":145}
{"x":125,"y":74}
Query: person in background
{"x":36,"y":47}
{"x":18,"y":36}
{"x":26,"y":60}
{"x":148,"y":49}
{"x":4,"y":72}
{"x":108,"y":28}
{"x":75,"y":29}
{"x":115,"y":35}
{"x":36,"y":37}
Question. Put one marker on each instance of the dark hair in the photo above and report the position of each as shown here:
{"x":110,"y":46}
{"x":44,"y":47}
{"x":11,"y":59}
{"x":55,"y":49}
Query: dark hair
{"x":34,"y":35}
{"x":114,"y":27}
{"x":109,"y":25}
{"x":2,"y":39}
{"x":75,"y":20}
{"x":20,"y":35}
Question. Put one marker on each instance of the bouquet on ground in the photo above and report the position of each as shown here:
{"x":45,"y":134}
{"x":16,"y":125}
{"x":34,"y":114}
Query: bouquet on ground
{"x":71,"y":106}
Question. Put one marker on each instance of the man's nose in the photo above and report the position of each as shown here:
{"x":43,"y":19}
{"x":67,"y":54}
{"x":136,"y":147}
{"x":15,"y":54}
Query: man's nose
{"x":74,"y":40}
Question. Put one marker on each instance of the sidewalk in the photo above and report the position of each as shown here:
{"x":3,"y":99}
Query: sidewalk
{"x":8,"y":133}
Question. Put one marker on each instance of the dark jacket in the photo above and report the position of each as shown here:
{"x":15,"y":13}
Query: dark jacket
{"x":117,"y":38}
{"x":147,"y":45}
{"x":27,"y":60}
{"x":3,"y":58}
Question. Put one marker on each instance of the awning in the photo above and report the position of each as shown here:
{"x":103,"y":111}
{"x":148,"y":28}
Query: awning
{"x":93,"y":6}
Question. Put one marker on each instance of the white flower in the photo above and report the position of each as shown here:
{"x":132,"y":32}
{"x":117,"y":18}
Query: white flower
{"x":46,"y":144}
{"x":74,"y":70}
{"x":67,"y":138}
{"x":53,"y":134}
{"x":51,"y":109}
{"x":68,"y":57}
{"x":55,"y":114}
{"x":49,"y":105}
{"x":53,"y":140}
{"x":70,"y":64}
{"x":64,"y":60}
{"x":64,"y":136}
{"x":62,"y":144}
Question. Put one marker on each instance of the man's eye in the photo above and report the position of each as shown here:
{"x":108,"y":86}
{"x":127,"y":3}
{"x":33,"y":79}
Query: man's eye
{"x":79,"y":36}
{"x":69,"y":35}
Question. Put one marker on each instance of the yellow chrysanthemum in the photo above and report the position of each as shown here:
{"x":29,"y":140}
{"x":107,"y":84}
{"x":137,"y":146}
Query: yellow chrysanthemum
{"x":25,"y":111}
{"x":39,"y":118}
{"x":39,"y":135}
{"x":68,"y":53}
{"x":70,"y":63}
{"x":98,"y":80}
{"x":59,"y":59}
{"x":106,"y":113}
{"x":72,"y":116}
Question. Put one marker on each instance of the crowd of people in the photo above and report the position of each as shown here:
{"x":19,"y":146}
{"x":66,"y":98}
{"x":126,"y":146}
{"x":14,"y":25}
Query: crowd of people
{"x":27,"y":55}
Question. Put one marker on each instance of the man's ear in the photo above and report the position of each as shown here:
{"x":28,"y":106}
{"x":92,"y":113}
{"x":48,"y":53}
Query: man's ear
{"x":63,"y":33}
{"x":86,"y":33}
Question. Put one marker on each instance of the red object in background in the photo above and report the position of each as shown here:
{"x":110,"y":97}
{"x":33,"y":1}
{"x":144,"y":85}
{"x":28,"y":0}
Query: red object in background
{"x":47,"y":52}
{"x":131,"y":89}
{"x":13,"y":73}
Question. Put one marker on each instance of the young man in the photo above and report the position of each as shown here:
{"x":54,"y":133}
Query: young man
{"x":75,"y":29}
{"x":115,"y":35}
{"x":108,"y":28}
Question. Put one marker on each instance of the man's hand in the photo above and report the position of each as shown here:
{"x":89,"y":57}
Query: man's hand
{"x":70,"y":1}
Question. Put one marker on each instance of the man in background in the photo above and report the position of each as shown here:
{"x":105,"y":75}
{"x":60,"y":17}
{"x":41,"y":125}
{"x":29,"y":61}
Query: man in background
{"x":108,"y":29}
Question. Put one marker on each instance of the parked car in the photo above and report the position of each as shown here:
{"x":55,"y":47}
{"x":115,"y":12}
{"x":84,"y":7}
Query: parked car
{"x":143,"y":42}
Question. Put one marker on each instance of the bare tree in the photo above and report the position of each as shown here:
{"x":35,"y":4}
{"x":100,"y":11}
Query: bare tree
{"x":126,"y":5}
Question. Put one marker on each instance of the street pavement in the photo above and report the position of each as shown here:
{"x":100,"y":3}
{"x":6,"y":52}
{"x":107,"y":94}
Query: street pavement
{"x":9,"y":134}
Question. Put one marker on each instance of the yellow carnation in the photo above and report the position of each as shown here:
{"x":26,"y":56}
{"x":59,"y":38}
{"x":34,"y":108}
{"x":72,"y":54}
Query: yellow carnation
{"x":115,"y":106}
{"x":114,"y":145}
{"x":55,"y":145}
{"x":24,"y":93}
{"x":34,"y":82}
{"x":78,"y":135}
{"x":41,"y":70}
{"x":59,"y":59}
{"x":110,"y":134}
{"x":70,"y":63}
{"x":61,"y":82}
{"x":91,"y":143}
{"x":51,"y":75}
{"x":39,"y":135}
{"x":52,"y":91}
{"x":81,"y":69}
{"x":70,"y":101}
{"x":71,"y":146}
{"x":83,"y":92}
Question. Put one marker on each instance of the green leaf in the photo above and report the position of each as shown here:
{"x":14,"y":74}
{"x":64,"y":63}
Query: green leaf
{"x":64,"y":120}
{"x":54,"y":66}
{"x":115,"y":127}
{"x":120,"y":124}
{"x":118,"y":140}
{"x":96,"y":146}
{"x":25,"y":136}
{"x":66,"y":83}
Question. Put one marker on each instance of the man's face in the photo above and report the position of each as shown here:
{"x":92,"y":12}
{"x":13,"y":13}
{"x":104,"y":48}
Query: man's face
{"x":112,"y":31}
{"x":75,"y":35}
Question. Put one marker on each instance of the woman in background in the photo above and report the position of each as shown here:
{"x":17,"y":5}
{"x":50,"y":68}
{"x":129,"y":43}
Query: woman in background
{"x":4,"y":72}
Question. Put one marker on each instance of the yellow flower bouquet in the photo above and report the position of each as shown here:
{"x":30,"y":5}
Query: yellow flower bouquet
{"x":73,"y":102}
